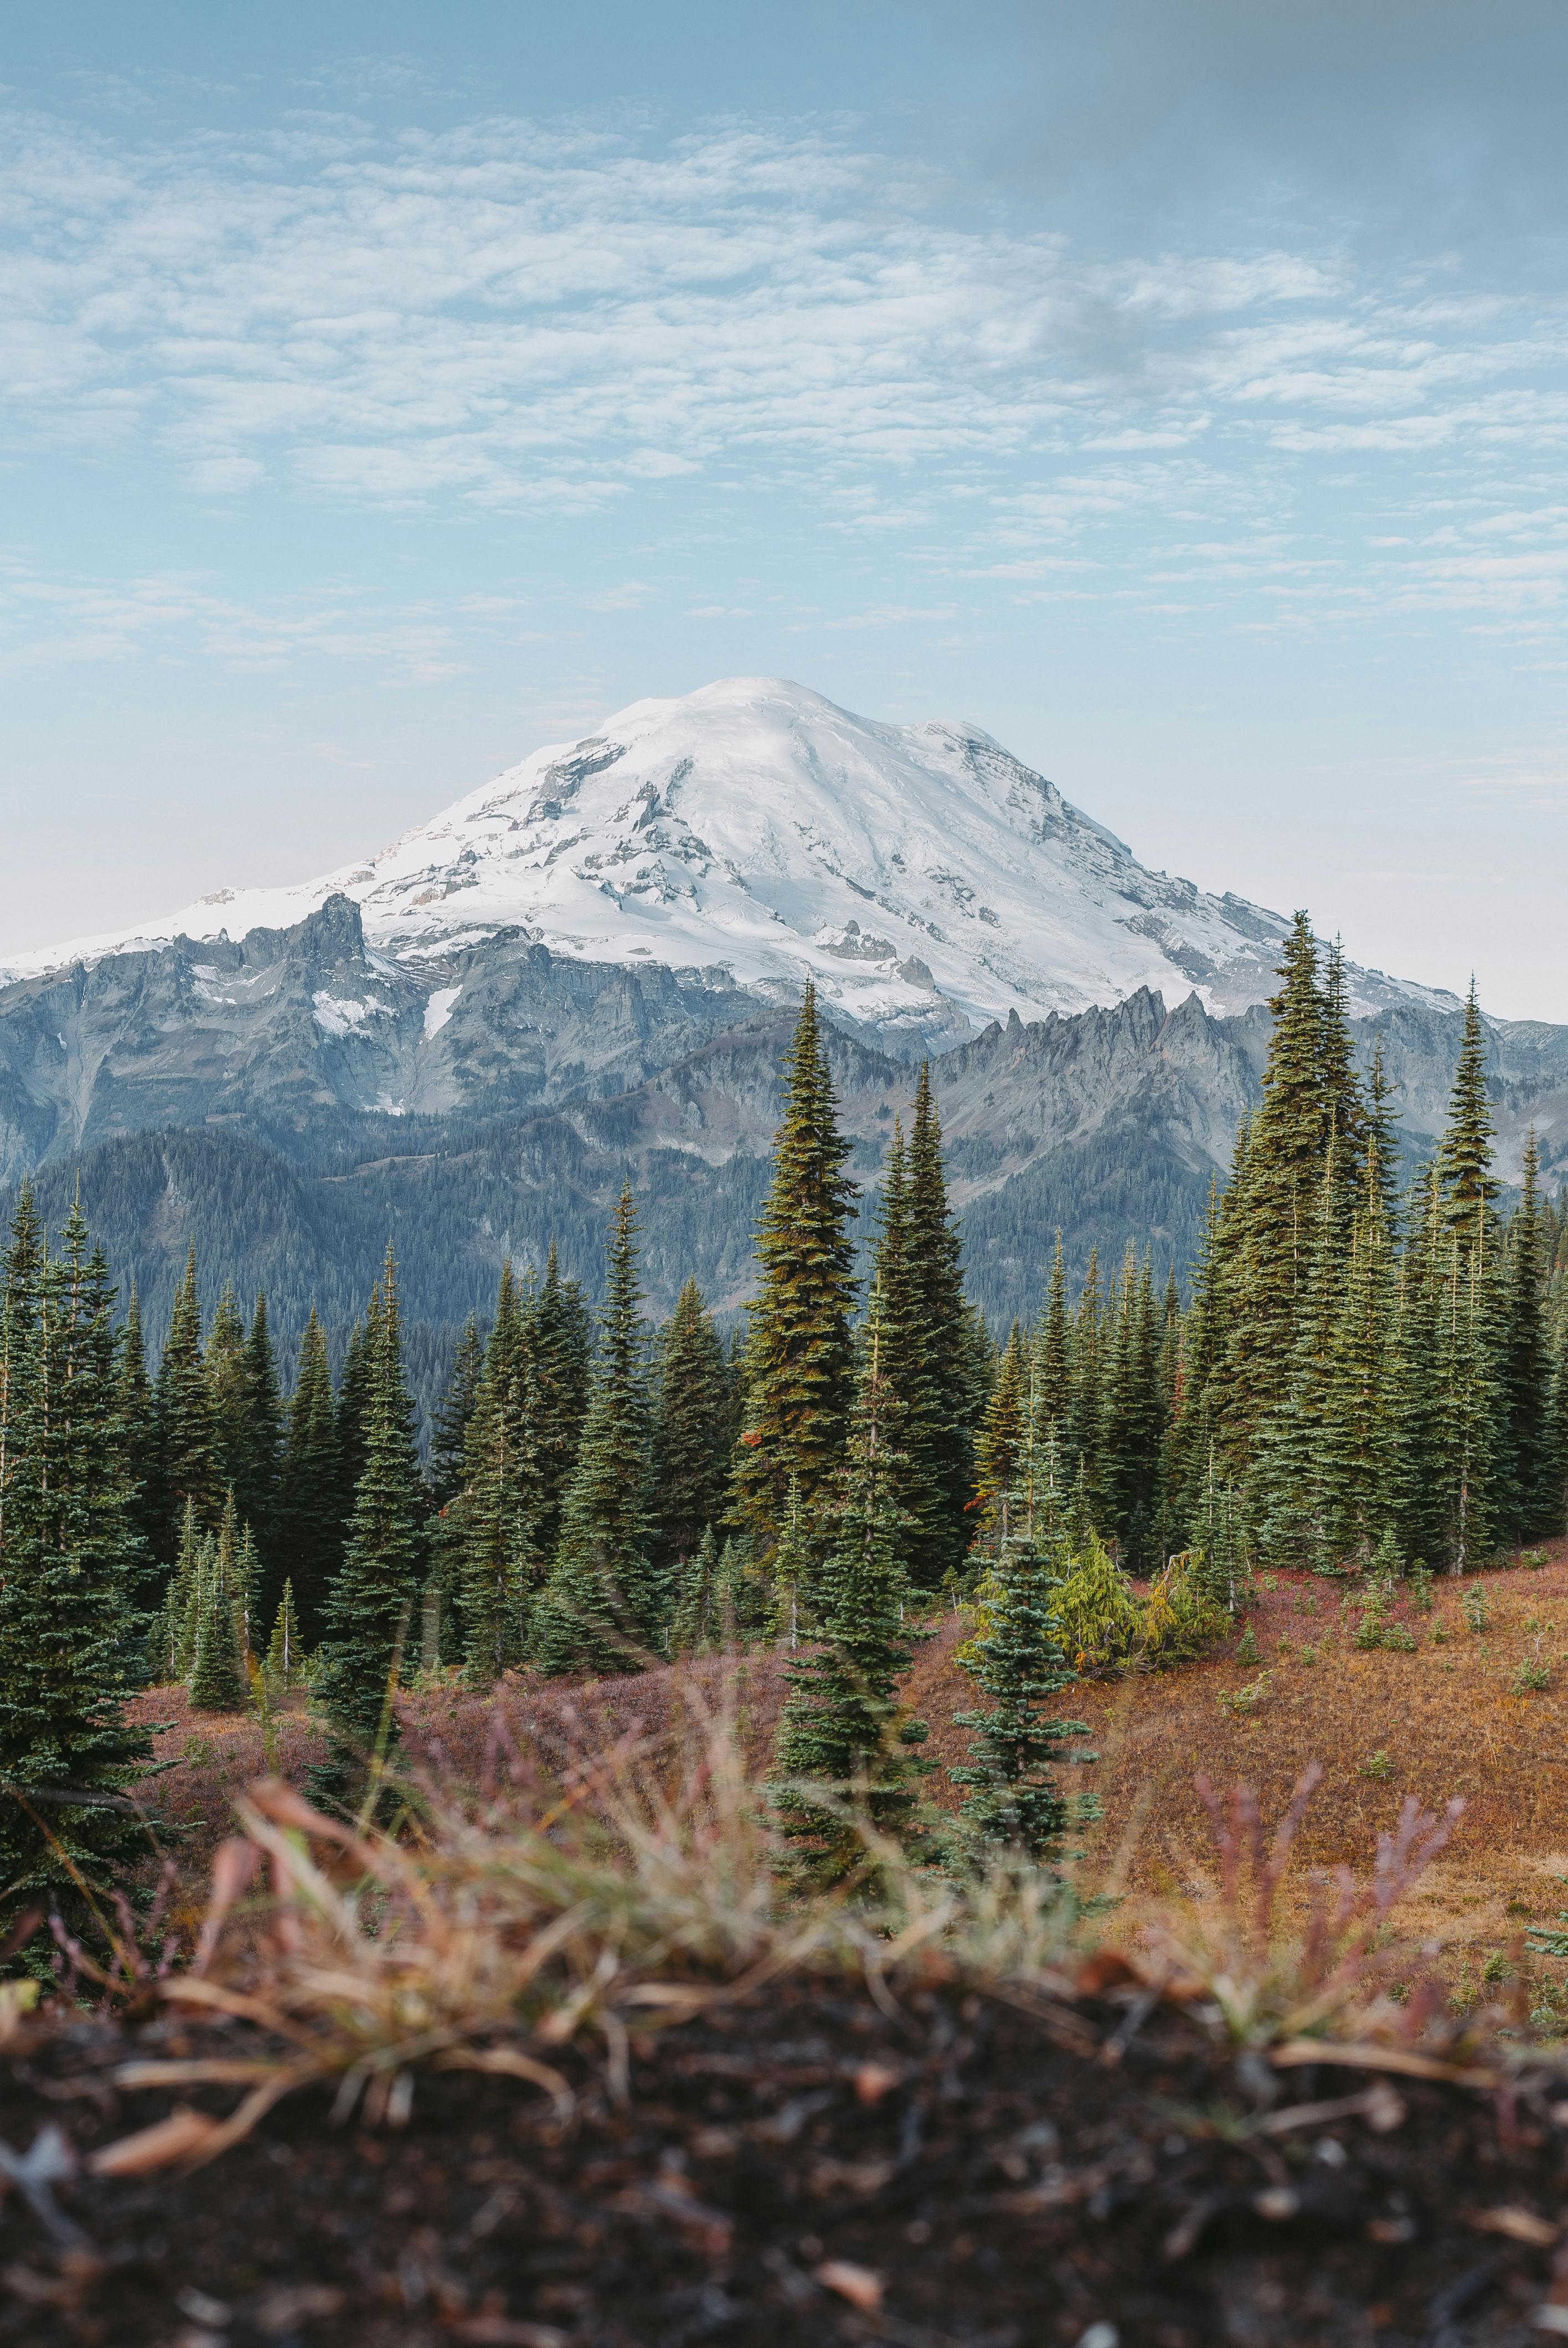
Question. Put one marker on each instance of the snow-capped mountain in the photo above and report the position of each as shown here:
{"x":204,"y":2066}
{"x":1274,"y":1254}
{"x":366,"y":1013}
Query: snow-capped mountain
{"x":927,"y":880}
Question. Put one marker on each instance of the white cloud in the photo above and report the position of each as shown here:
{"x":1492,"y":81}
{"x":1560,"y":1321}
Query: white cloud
{"x":520,"y":317}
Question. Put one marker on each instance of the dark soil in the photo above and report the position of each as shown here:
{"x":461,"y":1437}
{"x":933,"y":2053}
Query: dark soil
{"x":1000,"y":2182}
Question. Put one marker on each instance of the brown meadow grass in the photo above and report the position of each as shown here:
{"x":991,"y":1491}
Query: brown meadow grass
{"x":1441,"y":1721}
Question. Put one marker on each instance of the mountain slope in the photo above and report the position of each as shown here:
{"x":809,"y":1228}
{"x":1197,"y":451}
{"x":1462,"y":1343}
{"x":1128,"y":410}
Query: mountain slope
{"x":754,"y":831}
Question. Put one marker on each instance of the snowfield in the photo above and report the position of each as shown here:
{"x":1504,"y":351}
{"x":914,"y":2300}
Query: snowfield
{"x":927,"y":880}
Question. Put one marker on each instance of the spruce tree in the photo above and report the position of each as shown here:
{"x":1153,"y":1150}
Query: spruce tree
{"x":602,"y":1609}
{"x":69,"y":1552}
{"x":138,"y":1440}
{"x":187,"y":1434}
{"x":449,"y":1427}
{"x":352,"y":1407}
{"x":308,"y":1549}
{"x":844,"y":1750}
{"x":494,"y":1557}
{"x":1308,"y":1097}
{"x":285,"y":1650}
{"x":800,"y":1359}
{"x":1053,"y":1354}
{"x":217,"y":1672}
{"x":369,"y":1609}
{"x":1002,"y":1435}
{"x":947,"y":1352}
{"x":1088,"y":1387}
{"x":1526,"y":1369}
{"x":691,"y":1625}
{"x":227,"y":1385}
{"x":914,"y":1380}
{"x":559,"y":1335}
{"x":691,"y":1433}
{"x":1020,"y":1664}
{"x":260,"y":1453}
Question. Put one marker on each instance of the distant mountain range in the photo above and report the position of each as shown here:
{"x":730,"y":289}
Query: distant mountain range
{"x":588,"y":967}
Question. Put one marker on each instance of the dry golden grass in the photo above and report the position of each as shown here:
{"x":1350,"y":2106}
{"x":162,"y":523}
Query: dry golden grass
{"x":1443,"y":1720}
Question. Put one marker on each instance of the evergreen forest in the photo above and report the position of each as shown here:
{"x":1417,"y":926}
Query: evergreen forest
{"x":1359,"y":1373}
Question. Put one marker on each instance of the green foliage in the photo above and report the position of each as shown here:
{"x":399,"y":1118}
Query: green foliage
{"x":844,"y":1758}
{"x":69,"y":1558}
{"x":799,"y":1360}
{"x":1019,"y":1660}
{"x":371,"y":1605}
{"x":603,"y":1609}
{"x":284,"y":1665}
{"x":1098,"y":1609}
{"x":693,"y":1429}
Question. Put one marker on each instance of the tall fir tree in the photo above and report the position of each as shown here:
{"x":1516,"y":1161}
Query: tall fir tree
{"x":217,"y":1669}
{"x":603,"y":1608}
{"x":139,"y":1438}
{"x":260,"y":1458}
{"x":68,"y":1556}
{"x":187,"y":1467}
{"x":449,"y":1426}
{"x":1277,"y":1212}
{"x":846,"y":1749}
{"x":914,"y":1380}
{"x":1087,"y":1408}
{"x":948,"y":1341}
{"x":800,"y":1358}
{"x":1016,"y":1802}
{"x":692,"y":1431}
{"x":559,"y":1340}
{"x":1003,"y":1438}
{"x":369,"y":1609}
{"x":308,"y":1547}
{"x":494,"y":1552}
{"x":1054,"y":1356}
{"x":1537,"y":1501}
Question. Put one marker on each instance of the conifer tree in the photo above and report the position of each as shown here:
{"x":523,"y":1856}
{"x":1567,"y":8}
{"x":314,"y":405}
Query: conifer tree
{"x":1133,"y":1424}
{"x":559,"y":1340}
{"x":955,"y":1391}
{"x":260,"y":1459}
{"x":1054,"y":1356}
{"x":1355,"y":1465}
{"x":449,"y":1427}
{"x":285,"y":1650}
{"x":1002,"y":1437}
{"x":602,"y":1609}
{"x":1526,"y":1370}
{"x":691,"y":1625}
{"x":217,"y":1672}
{"x":800,"y":1359}
{"x":1016,"y":1801}
{"x":1088,"y":1387}
{"x":352,"y":1407}
{"x":369,"y":1609}
{"x":228,"y":1385}
{"x":491,"y":1520}
{"x":173,"y":1637}
{"x":67,"y":1556}
{"x":187,"y":1434}
{"x":915,"y":1379}
{"x":844,"y":1747}
{"x":792,"y":1576}
{"x":691,"y":1432}
{"x":309,"y":1543}
{"x":139,"y":1439}
{"x":1278,"y":1217}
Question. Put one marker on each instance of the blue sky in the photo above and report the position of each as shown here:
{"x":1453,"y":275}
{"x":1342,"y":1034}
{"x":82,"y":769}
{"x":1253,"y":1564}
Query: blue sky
{"x":1178,"y":388}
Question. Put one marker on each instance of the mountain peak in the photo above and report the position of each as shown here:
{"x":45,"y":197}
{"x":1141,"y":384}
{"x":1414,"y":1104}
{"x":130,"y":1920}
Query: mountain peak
{"x":928,"y":880}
